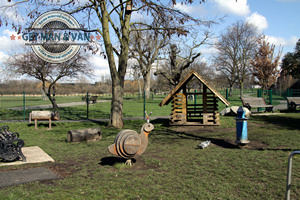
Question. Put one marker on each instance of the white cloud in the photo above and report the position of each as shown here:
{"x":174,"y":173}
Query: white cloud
{"x":209,"y":50}
{"x":3,"y":56}
{"x":258,"y":20}
{"x":100,"y":66}
{"x":190,"y":9}
{"x":279,"y":41}
{"x":240,"y":7}
{"x":11,"y":13}
{"x":7,"y":44}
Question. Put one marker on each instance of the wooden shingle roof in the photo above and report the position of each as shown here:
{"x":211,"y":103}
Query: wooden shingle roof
{"x":184,"y":81}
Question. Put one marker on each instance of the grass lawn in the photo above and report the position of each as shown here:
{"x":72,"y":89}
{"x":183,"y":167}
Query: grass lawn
{"x":172,"y":166}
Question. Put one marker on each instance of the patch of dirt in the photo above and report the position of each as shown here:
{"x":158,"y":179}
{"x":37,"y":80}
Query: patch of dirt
{"x":203,"y":129}
{"x":61,"y":169}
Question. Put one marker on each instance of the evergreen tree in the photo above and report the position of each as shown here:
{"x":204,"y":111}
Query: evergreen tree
{"x":291,"y":62}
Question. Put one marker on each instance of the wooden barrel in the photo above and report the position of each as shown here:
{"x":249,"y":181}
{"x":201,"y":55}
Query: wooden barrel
{"x":88,"y":134}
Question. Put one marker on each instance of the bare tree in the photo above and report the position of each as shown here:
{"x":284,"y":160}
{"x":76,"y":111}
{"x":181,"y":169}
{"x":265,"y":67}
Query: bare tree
{"x":28,"y":63}
{"x":179,"y":59}
{"x":144,"y":48}
{"x":235,"y":47}
{"x":265,"y":64}
{"x":112,"y":20}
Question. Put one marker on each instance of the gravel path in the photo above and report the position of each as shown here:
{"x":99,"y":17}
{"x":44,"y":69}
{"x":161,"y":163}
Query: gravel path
{"x":281,"y":106}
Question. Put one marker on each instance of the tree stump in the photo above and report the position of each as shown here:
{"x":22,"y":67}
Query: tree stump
{"x":88,"y":134}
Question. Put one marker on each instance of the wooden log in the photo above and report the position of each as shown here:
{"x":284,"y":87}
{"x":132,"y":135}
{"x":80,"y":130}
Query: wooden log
{"x":88,"y":134}
{"x":44,"y":115}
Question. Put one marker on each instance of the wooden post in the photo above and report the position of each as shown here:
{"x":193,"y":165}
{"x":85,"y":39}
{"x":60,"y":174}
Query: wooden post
{"x":204,"y":99}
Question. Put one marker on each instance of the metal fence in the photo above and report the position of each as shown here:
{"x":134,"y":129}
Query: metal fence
{"x":19,"y":106}
{"x":76,"y":107}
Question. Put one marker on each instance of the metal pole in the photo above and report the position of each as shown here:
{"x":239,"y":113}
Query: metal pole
{"x":24,"y":106}
{"x":227,"y":94}
{"x":271,"y":96}
{"x":289,"y":175}
{"x":259,"y":94}
{"x":87,"y":105}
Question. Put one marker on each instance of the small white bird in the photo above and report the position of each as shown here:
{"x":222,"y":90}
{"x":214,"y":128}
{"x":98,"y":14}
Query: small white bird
{"x":204,"y":144}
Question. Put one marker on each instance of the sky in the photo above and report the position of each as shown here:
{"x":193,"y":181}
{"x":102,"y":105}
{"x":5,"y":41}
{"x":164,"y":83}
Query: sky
{"x":277,"y":19}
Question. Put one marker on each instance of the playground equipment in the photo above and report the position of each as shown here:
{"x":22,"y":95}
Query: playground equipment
{"x":204,"y":111}
{"x":129,"y":144}
{"x":241,"y":127}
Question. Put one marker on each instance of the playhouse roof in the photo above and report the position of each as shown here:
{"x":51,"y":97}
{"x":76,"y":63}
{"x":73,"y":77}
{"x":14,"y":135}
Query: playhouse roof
{"x":184,"y":81}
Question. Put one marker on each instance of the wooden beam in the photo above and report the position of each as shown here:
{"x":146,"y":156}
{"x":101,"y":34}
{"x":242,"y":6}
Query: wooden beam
{"x":204,"y":99}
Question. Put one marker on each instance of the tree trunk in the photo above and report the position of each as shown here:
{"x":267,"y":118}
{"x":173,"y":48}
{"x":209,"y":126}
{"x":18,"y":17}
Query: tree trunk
{"x":117,"y":75}
{"x":53,"y":101}
{"x":48,"y":94}
{"x":139,"y":84}
{"x":241,"y":89}
{"x":230,"y":90}
{"x":116,"y":112}
{"x":147,"y":85}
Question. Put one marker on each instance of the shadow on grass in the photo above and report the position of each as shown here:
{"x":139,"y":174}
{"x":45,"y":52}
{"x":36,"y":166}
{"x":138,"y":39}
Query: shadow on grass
{"x":163,"y":121}
{"x":70,"y":113}
{"x":185,"y":135}
{"x":99,"y":122}
{"x":284,"y":121}
{"x":42,"y":124}
{"x":111,"y":160}
{"x":219,"y":142}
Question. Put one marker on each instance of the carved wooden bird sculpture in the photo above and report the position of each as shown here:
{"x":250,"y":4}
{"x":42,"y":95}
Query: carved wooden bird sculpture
{"x":129,"y":144}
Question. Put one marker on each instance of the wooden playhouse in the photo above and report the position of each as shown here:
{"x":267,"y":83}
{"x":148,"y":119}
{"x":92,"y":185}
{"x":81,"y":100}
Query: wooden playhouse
{"x":203,"y":111}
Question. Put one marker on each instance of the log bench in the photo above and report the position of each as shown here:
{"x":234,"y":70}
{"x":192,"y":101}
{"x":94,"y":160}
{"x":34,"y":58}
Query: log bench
{"x":293,"y":103}
{"x":92,"y":99}
{"x":256,"y":102}
{"x":42,"y":116}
